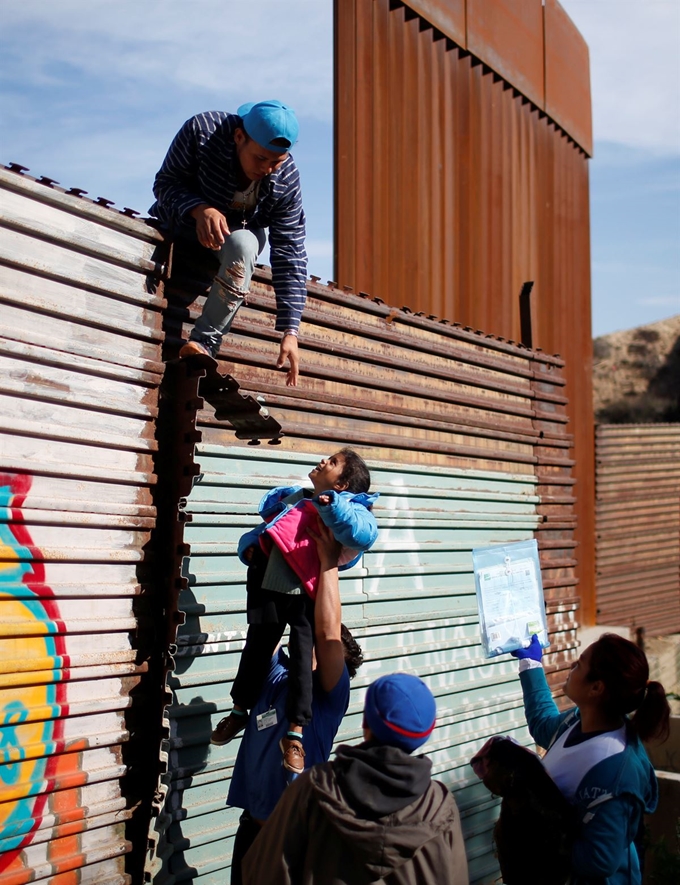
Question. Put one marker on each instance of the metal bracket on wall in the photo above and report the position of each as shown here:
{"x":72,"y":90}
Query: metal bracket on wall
{"x":526,"y":329}
{"x":244,"y":412}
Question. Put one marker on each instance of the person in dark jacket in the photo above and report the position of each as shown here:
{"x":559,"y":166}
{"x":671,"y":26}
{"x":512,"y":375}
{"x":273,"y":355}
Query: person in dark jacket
{"x":225,"y":178}
{"x":595,"y":753}
{"x":536,"y":826}
{"x":373,"y":814}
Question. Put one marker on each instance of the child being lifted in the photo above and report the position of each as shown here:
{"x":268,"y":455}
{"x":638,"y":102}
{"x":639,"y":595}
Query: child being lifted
{"x":283,"y":572}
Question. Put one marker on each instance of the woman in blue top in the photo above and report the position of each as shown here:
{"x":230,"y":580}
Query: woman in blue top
{"x":595,"y":752}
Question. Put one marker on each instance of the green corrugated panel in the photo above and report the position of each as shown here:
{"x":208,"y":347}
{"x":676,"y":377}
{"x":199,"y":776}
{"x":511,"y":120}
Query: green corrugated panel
{"x":411,"y":603}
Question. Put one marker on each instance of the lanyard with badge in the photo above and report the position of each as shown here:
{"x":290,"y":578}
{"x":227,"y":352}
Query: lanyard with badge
{"x":266,"y":720}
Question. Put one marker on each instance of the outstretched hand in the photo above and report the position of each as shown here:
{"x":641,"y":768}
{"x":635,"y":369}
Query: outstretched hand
{"x":326,"y":545}
{"x":533,"y":650}
{"x":289,"y":351}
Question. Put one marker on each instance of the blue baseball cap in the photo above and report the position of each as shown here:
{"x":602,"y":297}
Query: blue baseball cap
{"x":272,"y":121}
{"x":400,"y":710}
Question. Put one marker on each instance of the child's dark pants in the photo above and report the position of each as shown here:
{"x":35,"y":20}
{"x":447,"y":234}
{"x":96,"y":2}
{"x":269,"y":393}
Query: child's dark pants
{"x":268,"y":614}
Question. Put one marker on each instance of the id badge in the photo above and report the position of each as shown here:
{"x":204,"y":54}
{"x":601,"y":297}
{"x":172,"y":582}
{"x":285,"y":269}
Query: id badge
{"x":266,"y":720}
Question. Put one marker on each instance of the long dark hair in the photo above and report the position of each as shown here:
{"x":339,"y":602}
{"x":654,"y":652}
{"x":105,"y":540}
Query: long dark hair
{"x":624,"y":670}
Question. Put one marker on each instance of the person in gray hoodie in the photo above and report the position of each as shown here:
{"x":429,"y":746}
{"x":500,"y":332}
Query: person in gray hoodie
{"x":373,"y":814}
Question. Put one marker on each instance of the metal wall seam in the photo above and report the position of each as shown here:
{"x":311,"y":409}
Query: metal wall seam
{"x":80,"y":302}
{"x":638,"y":526}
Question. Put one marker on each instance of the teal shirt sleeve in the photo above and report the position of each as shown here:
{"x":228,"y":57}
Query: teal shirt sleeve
{"x":543,"y":717}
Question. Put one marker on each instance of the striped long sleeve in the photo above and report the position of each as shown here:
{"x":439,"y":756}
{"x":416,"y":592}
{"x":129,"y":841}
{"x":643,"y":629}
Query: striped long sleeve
{"x":201,"y":166}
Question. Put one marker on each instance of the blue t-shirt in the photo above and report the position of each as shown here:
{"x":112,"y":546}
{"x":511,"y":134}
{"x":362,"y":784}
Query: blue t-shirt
{"x":259,"y":778}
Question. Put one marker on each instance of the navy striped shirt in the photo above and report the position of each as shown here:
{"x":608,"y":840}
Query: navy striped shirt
{"x":201,"y":166}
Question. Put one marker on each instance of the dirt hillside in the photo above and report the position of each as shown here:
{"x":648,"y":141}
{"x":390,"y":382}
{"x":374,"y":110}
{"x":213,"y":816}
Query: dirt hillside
{"x":636,"y":374}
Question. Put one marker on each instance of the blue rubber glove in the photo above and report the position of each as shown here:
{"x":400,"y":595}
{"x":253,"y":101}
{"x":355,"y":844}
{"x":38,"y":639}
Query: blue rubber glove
{"x":533,"y":651}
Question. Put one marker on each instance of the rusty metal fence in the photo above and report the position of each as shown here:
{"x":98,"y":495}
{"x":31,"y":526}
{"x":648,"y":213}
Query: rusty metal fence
{"x":638,"y":526}
{"x":466,"y":438}
{"x":80,"y":369}
{"x":127,"y":479}
{"x":462,"y":139}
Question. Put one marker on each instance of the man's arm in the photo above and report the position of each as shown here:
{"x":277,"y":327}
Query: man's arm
{"x":175,"y":182}
{"x":330,"y":654}
{"x":289,"y":266}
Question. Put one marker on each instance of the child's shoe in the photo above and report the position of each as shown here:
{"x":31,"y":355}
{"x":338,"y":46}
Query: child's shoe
{"x":228,"y":728}
{"x":293,"y":755}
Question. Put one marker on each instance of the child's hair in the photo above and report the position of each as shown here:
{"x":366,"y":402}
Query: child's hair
{"x":354,"y":656}
{"x":624,"y":670}
{"x":355,"y":472}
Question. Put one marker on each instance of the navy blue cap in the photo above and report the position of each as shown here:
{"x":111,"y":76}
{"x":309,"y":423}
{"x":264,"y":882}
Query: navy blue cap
{"x":400,"y":710}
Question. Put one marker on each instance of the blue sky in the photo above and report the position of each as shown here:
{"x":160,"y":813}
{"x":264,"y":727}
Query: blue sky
{"x":94,"y":90}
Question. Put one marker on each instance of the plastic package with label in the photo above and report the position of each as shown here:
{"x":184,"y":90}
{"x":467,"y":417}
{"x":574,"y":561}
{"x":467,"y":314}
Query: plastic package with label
{"x":509,"y":596}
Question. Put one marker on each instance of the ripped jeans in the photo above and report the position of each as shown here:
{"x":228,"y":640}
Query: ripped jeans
{"x":232,"y":283}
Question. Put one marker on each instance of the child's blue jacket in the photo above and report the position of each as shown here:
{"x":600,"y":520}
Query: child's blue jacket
{"x":610,"y":800}
{"x":347,"y":515}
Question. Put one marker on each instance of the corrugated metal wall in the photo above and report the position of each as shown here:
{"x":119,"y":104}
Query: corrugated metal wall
{"x":465,"y":436}
{"x":638,"y":526}
{"x":455,"y":183}
{"x":119,"y":575}
{"x":80,"y":308}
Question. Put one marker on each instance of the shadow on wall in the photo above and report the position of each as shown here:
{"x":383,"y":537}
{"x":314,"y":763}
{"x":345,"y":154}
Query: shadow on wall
{"x":188,"y":747}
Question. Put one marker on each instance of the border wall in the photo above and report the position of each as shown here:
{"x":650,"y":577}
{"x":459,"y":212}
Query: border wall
{"x":126,"y":484}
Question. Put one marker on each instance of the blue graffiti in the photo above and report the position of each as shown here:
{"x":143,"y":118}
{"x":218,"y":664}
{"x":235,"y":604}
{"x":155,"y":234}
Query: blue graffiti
{"x":13,"y":714}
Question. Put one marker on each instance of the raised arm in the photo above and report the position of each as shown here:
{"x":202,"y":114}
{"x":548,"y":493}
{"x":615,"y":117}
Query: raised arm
{"x":330,"y":654}
{"x":541,"y":711}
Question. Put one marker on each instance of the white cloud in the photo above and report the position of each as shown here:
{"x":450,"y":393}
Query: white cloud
{"x":216,"y":53}
{"x":223,"y":48}
{"x":661,"y":300}
{"x":635,"y":69}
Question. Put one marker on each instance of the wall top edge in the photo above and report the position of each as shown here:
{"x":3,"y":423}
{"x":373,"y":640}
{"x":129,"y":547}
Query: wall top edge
{"x":14,"y":177}
{"x":475,"y":25}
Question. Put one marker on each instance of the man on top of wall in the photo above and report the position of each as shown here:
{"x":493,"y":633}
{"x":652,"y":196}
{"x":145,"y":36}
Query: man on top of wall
{"x":225,"y":178}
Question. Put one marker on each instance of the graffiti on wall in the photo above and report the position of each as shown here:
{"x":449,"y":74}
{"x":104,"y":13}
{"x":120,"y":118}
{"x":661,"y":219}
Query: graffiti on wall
{"x":32,"y":694}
